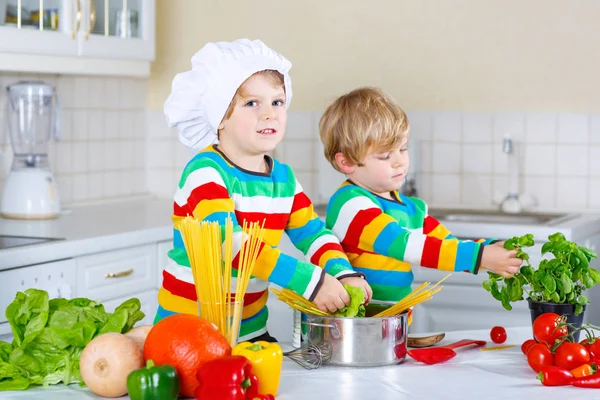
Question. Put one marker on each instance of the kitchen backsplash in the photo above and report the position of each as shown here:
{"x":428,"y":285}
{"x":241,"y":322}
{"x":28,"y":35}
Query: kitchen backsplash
{"x":460,"y":161}
{"x":112,"y":148}
{"x":102,"y":151}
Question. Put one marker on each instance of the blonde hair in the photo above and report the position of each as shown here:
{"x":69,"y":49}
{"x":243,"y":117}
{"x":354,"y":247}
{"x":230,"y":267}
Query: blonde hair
{"x":359,"y":122}
{"x":273,"y":76}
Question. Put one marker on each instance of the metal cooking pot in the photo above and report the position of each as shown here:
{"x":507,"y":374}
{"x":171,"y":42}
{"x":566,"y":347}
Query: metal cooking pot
{"x":359,"y":342}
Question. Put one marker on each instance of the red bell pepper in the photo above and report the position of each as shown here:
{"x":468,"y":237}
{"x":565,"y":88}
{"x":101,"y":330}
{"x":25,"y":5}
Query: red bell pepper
{"x":555,"y":376}
{"x":264,"y":397}
{"x":228,"y":378}
{"x":592,"y":381}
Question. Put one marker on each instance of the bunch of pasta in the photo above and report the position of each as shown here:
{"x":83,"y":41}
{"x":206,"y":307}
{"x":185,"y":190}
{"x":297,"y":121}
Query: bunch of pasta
{"x":418,"y":296}
{"x":209,"y":247}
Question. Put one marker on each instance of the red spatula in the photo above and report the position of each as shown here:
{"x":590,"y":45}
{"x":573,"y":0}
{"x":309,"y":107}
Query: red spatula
{"x":440,"y":354}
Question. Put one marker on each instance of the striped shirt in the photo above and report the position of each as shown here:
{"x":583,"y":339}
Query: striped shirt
{"x":383,"y":238}
{"x":212,"y":188}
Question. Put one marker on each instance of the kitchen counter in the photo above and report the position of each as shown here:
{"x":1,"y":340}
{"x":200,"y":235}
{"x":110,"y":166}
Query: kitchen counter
{"x":472,"y":374}
{"x":88,"y":230}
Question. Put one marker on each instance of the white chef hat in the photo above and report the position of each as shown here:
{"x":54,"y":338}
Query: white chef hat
{"x":200,"y":97}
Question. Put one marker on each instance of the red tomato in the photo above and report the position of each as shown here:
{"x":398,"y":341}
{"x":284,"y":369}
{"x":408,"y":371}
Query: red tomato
{"x":527,"y":345}
{"x":571,"y":355}
{"x":539,"y":357}
{"x":593,"y":348}
{"x":546,"y":328}
{"x":498,"y":334}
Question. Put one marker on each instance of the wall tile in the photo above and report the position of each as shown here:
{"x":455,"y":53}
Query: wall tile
{"x":446,"y":189}
{"x":572,"y":160}
{"x":477,"y":128}
{"x":573,"y":128}
{"x":594,"y":160}
{"x":300,"y":125}
{"x":447,"y":126}
{"x":540,"y":159}
{"x":541,"y":128}
{"x":594,"y":192}
{"x":595,"y":129}
{"x":572,"y":192}
{"x":477,"y":158}
{"x":511,"y":124}
{"x":447,"y":157}
{"x":477,"y":190}
{"x":543,"y":189}
{"x":420,"y":125}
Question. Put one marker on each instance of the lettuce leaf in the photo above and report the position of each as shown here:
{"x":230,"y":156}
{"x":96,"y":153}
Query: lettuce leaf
{"x":50,"y":334}
{"x":356,"y":308}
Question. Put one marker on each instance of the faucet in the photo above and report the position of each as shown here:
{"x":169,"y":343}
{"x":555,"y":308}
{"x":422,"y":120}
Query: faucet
{"x":513,"y":203}
{"x":410,"y":186}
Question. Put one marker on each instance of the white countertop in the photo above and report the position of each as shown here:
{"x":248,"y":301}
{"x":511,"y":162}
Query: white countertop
{"x":87,"y":230}
{"x":472,"y":374}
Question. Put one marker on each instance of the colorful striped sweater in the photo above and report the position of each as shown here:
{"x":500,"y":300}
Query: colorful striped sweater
{"x":212,"y":188}
{"x":384,"y":238}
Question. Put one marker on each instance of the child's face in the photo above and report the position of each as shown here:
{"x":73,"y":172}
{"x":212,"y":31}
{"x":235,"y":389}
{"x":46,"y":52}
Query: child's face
{"x":383,"y":172}
{"x":258,"y":121}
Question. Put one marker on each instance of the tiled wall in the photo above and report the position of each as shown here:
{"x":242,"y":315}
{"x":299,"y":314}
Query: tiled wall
{"x":460,"y":159}
{"x":102,"y":151}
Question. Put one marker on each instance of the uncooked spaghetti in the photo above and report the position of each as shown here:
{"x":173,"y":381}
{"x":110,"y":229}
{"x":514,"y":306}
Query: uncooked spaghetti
{"x":210,"y":252}
{"x":418,"y":296}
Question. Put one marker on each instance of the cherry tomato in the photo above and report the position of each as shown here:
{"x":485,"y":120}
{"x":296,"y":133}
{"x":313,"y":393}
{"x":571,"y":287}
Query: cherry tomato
{"x":527,"y":345}
{"x":546,"y":328}
{"x":593,"y":348}
{"x":498,"y":334}
{"x":571,"y":355}
{"x":539,"y":357}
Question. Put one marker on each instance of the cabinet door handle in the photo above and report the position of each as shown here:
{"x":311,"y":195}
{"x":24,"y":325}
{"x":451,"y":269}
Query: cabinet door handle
{"x":120,"y":274}
{"x":78,"y":23}
{"x":92,"y":19}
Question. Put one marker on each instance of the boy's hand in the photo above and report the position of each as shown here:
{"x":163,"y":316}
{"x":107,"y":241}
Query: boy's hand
{"x":500,"y":260}
{"x":361,"y":283}
{"x":331,"y":295}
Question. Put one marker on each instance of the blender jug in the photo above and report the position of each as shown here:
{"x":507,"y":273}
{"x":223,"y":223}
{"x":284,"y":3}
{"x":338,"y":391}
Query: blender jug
{"x":33,"y":118}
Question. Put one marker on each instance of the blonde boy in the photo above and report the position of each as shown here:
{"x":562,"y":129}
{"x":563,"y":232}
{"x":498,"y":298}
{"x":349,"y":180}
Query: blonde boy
{"x":232,"y":109}
{"x":383,"y":232}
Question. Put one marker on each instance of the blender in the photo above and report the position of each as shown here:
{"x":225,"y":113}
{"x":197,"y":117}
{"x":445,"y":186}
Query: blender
{"x":33,"y":116}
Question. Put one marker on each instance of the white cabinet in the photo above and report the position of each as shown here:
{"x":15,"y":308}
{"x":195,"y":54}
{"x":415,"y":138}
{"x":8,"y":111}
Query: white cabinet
{"x":111,"y":274}
{"x":104,"y":37}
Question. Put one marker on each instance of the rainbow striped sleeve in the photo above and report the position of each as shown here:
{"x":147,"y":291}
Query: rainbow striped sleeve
{"x":308,"y":233}
{"x":359,"y":221}
{"x":203,"y":192}
{"x":434,"y":228}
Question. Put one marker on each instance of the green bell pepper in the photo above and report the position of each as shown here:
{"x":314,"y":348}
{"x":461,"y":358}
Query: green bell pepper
{"x":153,"y":383}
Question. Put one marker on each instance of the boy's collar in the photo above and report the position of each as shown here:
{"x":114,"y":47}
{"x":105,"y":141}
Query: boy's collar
{"x":395,"y":195}
{"x":268,"y":160}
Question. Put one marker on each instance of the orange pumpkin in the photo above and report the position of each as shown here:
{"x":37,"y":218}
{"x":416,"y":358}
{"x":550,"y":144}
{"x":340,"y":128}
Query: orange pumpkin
{"x":186,"y":342}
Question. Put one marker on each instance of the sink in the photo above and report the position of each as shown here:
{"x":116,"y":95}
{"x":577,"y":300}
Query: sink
{"x":498,"y":217}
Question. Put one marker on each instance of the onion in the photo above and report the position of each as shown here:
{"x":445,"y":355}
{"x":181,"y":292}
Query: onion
{"x":138,"y":334}
{"x":107,"y":360}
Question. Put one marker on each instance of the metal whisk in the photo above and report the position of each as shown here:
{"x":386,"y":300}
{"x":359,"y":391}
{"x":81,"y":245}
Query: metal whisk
{"x":311,"y":356}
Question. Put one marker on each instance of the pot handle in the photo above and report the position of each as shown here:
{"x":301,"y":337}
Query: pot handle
{"x":336,"y":332}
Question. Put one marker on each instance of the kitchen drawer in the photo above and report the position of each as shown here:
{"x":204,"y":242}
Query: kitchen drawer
{"x":57,"y":278}
{"x":149,"y":302}
{"x":163,"y":249}
{"x":113,"y":274}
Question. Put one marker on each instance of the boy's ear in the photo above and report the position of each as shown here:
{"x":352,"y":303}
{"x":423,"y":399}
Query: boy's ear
{"x":344,"y":164}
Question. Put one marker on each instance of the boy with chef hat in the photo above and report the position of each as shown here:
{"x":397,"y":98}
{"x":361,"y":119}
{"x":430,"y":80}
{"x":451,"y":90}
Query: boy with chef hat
{"x":231,"y":109}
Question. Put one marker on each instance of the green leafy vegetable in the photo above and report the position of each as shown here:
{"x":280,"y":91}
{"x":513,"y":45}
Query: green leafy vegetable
{"x":50,"y":334}
{"x":356,"y":308}
{"x":559,"y":279}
